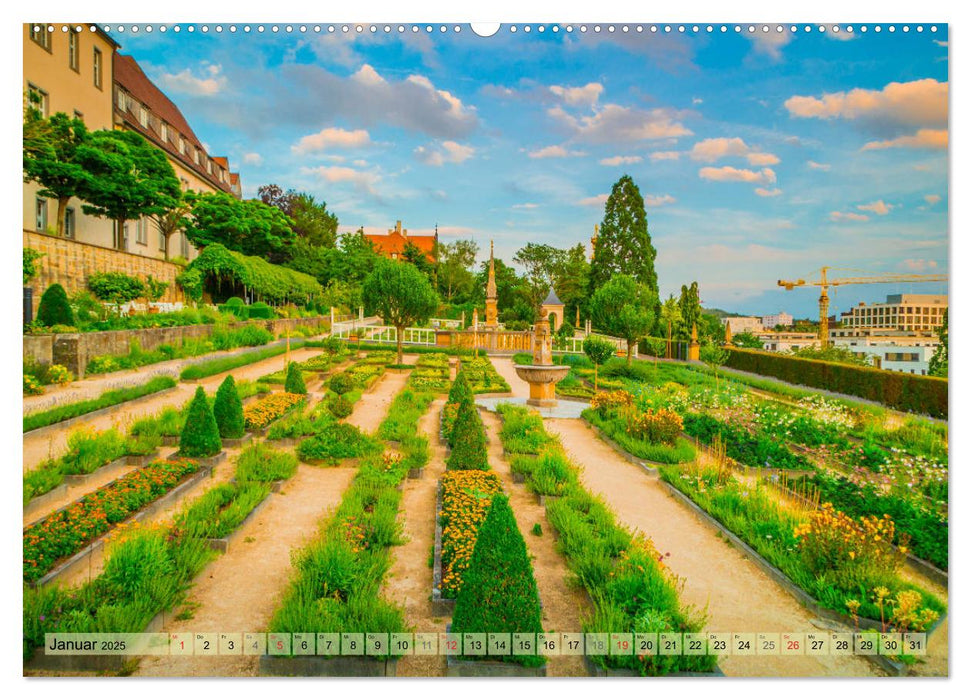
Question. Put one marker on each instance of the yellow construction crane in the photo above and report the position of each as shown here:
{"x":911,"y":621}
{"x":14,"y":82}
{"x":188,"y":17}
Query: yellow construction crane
{"x":824,"y":284}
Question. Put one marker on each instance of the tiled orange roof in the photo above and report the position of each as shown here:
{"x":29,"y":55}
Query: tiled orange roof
{"x":393,"y":244}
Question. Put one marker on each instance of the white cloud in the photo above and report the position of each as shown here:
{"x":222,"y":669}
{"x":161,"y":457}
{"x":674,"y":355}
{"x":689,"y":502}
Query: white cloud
{"x":332,"y":137}
{"x":769,"y":43}
{"x":620,"y":160}
{"x":613,"y":123}
{"x":339,"y":173}
{"x":847,"y":216}
{"x":554,"y":152}
{"x":935,"y":139}
{"x":666,"y":155}
{"x":917,"y":103}
{"x":253,"y":159}
{"x":879,"y":207}
{"x":813,"y":165}
{"x":727,"y":173}
{"x":696,"y":100}
{"x":586,"y":95}
{"x":186,"y":83}
{"x":525,"y":205}
{"x":932,"y":199}
{"x":445,"y":152}
{"x":918,"y":264}
{"x":595,"y":201}
{"x":711,"y":150}
{"x":658,"y":200}
{"x":762,"y":192}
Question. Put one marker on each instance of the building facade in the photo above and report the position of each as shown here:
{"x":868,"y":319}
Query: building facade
{"x":743,"y":324}
{"x":393,"y":244}
{"x":784,"y":341}
{"x":779,"y":319}
{"x":905,"y":312}
{"x":70,"y":72}
{"x":891,"y":349}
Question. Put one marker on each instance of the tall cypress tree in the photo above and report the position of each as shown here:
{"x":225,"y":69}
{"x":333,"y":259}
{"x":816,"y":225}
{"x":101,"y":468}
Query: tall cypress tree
{"x":689,"y":303}
{"x":624,"y":244}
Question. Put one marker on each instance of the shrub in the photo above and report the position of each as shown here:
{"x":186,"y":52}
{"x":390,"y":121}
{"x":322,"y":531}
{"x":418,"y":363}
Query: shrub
{"x":200,"y":434}
{"x":468,"y":440}
{"x":261,"y":463}
{"x":250,"y":335}
{"x":460,"y":392}
{"x":54,"y":308}
{"x":337,"y":441}
{"x":657,"y":426}
{"x":499,"y":592}
{"x":115,"y":287}
{"x":907,"y":392}
{"x":32,"y":387}
{"x":294,"y":383}
{"x":260,"y":310}
{"x":340,"y":407}
{"x":59,"y":374}
{"x":605,"y":401}
{"x":228,"y":410}
{"x":341,"y":383}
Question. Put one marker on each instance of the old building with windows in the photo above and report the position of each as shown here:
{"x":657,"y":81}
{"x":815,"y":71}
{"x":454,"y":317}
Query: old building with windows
{"x":397,"y":239}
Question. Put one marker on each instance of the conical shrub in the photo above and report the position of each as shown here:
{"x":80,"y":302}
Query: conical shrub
{"x":468,"y":440}
{"x":460,"y":392}
{"x":228,"y":410}
{"x":54,"y":308}
{"x":294,"y":383}
{"x":200,"y":434}
{"x":499,"y":592}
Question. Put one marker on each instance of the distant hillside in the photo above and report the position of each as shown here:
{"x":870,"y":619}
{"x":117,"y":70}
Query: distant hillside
{"x":720,"y":313}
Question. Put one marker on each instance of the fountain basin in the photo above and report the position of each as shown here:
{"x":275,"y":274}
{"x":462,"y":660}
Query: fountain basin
{"x":542,"y":381}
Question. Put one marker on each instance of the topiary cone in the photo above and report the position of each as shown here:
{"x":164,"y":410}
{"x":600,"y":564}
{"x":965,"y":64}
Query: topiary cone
{"x":54,"y":308}
{"x":294,"y":383}
{"x":460,"y":391}
{"x":468,"y":440}
{"x":200,"y":434}
{"x":228,"y":410}
{"x":499,"y":592}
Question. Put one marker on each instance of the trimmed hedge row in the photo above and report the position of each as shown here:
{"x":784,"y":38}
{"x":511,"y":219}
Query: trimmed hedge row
{"x":906,"y":392}
{"x":112,"y":397}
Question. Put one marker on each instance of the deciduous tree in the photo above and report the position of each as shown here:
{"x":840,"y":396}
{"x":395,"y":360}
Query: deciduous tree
{"x":52,"y":162}
{"x":624,"y":308}
{"x":400,"y":294}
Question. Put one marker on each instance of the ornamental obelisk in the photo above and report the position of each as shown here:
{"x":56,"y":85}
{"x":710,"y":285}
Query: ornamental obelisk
{"x":492,"y":309}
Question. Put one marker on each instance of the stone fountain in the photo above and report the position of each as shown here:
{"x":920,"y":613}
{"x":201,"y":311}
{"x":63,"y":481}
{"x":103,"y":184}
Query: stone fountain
{"x":542,"y":375}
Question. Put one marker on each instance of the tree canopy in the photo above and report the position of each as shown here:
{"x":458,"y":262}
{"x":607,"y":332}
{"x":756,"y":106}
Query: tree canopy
{"x":53,"y":163}
{"x":246,"y":226}
{"x":400,"y":294}
{"x":624,"y":308}
{"x":624,"y":244}
{"x":938,"y":363}
{"x":128,"y":177}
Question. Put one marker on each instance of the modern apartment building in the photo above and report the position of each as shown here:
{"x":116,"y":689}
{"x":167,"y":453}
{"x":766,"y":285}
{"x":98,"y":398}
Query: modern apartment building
{"x":904,"y":312}
{"x":895,"y":350}
{"x":779,"y":319}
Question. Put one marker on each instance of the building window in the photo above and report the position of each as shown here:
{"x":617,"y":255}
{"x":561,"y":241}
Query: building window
{"x":78,"y":115}
{"x":143,"y":117}
{"x":163,"y":130}
{"x":198,"y":156}
{"x":72,"y":51}
{"x":141,"y":232}
{"x":209,"y":166}
{"x":124,"y":237}
{"x":70,"y":221}
{"x":40,"y":35}
{"x":161,"y":242}
{"x":122,"y":100}
{"x":40,"y":209}
{"x":98,"y":79}
{"x":184,"y":246}
{"x":39,"y":99}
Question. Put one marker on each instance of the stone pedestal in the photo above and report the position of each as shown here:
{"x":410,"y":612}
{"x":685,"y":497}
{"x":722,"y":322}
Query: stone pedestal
{"x":542,"y":394}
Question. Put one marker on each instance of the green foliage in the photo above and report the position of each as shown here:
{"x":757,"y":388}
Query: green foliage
{"x":54,"y":166}
{"x":335,"y":442}
{"x":689,"y":310}
{"x":468,"y":440}
{"x":340,"y":407}
{"x":54,"y":308}
{"x":261,"y":463}
{"x":400,"y":294}
{"x":224,"y":364}
{"x":906,"y":392}
{"x":753,"y":450}
{"x":747,"y":340}
{"x":220,"y":510}
{"x":681,"y":452}
{"x":460,"y":393}
{"x":294,"y":383}
{"x":127,"y":177}
{"x":832,"y":353}
{"x":31,"y":257}
{"x":599,"y":351}
{"x":228,"y":410}
{"x":499,"y":591}
{"x":115,"y":287}
{"x":259,"y":309}
{"x":200,"y":434}
{"x":624,"y":245}
{"x":713,"y":355}
{"x":341,"y":383}
{"x":108,"y":398}
{"x":455,"y":262}
{"x":246,"y":226}
{"x":86,"y":451}
{"x":219,"y":264}
{"x":938,"y":364}
{"x":154,"y":289}
{"x":624,"y":308}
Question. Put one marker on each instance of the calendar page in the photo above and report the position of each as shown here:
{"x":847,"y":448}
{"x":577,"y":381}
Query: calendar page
{"x":522,"y":350}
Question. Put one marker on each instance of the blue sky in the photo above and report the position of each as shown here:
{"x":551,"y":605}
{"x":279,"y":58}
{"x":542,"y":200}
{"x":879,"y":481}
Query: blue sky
{"x":760,"y":155}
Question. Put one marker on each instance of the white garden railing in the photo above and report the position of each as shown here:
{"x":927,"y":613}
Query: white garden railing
{"x":342,"y":329}
{"x":574,"y":346}
{"x":385,"y":334}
